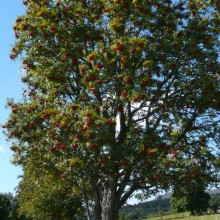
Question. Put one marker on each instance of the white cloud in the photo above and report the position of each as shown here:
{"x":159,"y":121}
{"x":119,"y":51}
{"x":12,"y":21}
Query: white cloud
{"x":2,"y":150}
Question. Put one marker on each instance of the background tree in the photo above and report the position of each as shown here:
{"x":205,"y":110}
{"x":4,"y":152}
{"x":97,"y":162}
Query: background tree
{"x":8,"y":207}
{"x":178,"y":204}
{"x":44,"y":196}
{"x":214,"y":203}
{"x":194,"y":201}
{"x":121,"y":95}
{"x":198,"y":202}
{"x":5,"y":206}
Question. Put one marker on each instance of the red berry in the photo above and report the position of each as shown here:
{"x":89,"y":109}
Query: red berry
{"x":91,"y":57}
{"x":124,"y":93}
{"x":75,"y":145}
{"x":52,"y":28}
{"x":151,"y":153}
{"x":63,"y":147}
{"x":91,"y":145}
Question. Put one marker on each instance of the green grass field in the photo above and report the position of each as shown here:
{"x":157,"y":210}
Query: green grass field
{"x":172,"y":216}
{"x":185,"y":216}
{"x":205,"y":217}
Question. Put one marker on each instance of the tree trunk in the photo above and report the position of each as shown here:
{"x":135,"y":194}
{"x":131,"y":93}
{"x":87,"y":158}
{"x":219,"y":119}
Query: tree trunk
{"x":97,"y":199}
{"x":97,"y":207}
{"x":110,"y":204}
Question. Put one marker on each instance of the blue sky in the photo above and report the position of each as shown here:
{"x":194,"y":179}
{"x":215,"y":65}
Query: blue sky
{"x":10,"y":87}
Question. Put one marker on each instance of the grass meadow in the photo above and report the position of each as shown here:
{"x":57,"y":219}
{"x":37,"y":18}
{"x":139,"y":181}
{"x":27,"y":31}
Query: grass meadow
{"x":186,"y":216}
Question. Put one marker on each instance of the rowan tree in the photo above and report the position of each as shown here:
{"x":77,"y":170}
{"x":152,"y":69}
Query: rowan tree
{"x":121,"y":95}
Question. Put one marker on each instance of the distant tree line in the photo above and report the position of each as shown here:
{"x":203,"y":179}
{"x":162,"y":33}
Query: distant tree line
{"x":143,"y":210}
{"x":196,"y":203}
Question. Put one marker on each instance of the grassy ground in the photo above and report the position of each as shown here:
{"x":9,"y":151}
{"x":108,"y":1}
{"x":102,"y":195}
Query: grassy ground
{"x":185,"y":216}
{"x":204,"y":217}
{"x":173,"y":216}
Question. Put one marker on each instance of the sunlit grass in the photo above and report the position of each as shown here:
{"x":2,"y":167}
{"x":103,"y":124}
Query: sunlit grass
{"x":172,"y":216}
{"x":204,"y":217}
{"x":185,"y":216}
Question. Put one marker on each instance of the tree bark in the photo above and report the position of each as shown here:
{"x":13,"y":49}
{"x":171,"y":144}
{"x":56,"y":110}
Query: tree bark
{"x":97,"y":207}
{"x":110,"y":203}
